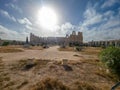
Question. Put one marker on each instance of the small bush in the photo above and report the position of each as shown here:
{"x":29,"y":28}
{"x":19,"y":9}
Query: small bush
{"x":5,"y":44}
{"x":62,"y":46}
{"x":111,"y":58}
{"x":103,"y":46}
{"x":78,"y":48}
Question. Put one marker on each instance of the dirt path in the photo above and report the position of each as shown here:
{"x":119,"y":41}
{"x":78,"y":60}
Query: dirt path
{"x":51,"y":53}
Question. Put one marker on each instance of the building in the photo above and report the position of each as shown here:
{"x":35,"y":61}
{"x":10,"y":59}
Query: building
{"x":73,"y":39}
{"x":104,"y":43}
{"x":35,"y":40}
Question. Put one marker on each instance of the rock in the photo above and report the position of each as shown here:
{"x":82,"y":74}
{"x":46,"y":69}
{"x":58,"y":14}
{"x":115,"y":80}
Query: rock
{"x":29,"y":66}
{"x":64,"y":61}
{"x":67,"y":68}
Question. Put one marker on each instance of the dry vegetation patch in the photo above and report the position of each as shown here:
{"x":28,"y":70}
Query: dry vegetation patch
{"x":35,"y":48}
{"x":27,"y":64}
{"x":84,"y":86}
{"x":67,"y":48}
{"x":106,"y":74}
{"x":4,"y":77}
{"x":51,"y":75}
{"x":91,"y":50}
{"x":86,"y":74}
{"x":49,"y":84}
{"x":9,"y":49}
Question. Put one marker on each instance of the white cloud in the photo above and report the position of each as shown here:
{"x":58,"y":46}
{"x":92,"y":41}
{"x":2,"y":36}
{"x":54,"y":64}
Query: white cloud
{"x":110,"y":24}
{"x":109,"y":13}
{"x":66,"y":28}
{"x":89,"y":13}
{"x":6,"y":14}
{"x":91,"y":17}
{"x":109,"y":3}
{"x":28,"y":27}
{"x":24,"y":21}
{"x":8,"y":34}
{"x":108,"y":27}
{"x":103,"y":34}
{"x":15,"y":7}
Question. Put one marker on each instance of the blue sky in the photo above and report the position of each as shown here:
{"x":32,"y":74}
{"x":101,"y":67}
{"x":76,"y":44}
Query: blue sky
{"x":97,"y":19}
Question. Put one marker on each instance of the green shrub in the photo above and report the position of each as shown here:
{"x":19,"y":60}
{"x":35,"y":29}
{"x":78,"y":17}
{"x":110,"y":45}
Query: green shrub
{"x":5,"y":44}
{"x":78,"y":48}
{"x":111,"y":58}
{"x":103,"y":46}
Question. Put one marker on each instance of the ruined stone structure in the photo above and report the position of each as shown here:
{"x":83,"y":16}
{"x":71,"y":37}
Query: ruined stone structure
{"x":73,"y":39}
{"x":104,"y":43}
{"x":35,"y":40}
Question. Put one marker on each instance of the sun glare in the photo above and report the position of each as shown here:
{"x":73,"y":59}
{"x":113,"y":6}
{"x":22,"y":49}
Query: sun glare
{"x":47,"y":17}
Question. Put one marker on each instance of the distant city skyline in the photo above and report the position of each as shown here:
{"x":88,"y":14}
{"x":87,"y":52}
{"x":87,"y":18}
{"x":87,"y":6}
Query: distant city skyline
{"x":97,"y":19}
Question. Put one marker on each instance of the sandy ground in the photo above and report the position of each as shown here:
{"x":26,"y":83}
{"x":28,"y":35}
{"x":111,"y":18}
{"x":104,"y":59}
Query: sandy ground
{"x":85,"y":68}
{"x":51,"y":53}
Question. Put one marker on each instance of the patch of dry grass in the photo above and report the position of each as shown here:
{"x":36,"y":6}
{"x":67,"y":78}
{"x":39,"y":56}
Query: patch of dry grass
{"x":49,"y":84}
{"x":109,"y":76}
{"x":35,"y":48}
{"x":21,"y":64}
{"x":9,"y":84}
{"x":22,"y":84}
{"x":84,"y":86}
{"x":8,"y":49}
{"x":67,"y":48}
{"x":1,"y":73}
{"x":3,"y":76}
{"x":105,"y":73}
{"x":50,"y":75}
{"x":14,"y":46}
{"x":18,"y":65}
{"x":91,"y":61}
{"x":55,"y":84}
{"x":91,"y":50}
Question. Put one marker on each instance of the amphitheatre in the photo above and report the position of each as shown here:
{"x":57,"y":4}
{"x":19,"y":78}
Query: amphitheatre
{"x":55,"y":63}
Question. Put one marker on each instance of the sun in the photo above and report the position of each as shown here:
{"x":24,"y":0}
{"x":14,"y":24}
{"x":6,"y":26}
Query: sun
{"x":47,"y":17}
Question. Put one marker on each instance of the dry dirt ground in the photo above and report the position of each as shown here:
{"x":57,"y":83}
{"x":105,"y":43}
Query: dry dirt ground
{"x":51,"y":53}
{"x":43,"y":70}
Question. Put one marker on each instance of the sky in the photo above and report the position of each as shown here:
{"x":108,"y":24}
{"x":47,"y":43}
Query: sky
{"x":97,"y":19}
